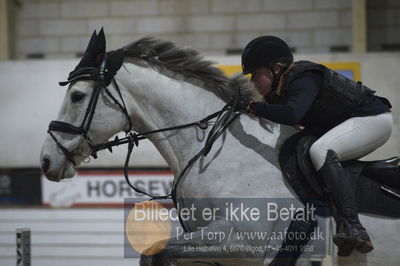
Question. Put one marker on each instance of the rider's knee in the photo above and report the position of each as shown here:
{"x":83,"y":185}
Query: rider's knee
{"x":318,"y":153}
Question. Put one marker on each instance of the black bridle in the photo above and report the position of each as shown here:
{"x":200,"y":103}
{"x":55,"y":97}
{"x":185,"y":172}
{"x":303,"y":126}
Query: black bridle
{"x":224,"y":118}
{"x":98,"y":76}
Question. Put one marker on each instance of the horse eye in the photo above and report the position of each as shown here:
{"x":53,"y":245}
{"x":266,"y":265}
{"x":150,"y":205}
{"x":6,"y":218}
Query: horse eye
{"x":77,"y":97}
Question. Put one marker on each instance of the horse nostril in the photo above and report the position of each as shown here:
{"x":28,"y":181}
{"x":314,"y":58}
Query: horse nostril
{"x":45,"y":165}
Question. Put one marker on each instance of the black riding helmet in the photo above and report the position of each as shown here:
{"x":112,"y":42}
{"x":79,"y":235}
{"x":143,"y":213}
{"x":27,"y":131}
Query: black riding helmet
{"x":264,"y":51}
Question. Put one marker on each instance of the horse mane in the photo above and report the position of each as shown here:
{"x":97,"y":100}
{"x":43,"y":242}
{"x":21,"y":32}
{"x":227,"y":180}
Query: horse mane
{"x":185,"y":63}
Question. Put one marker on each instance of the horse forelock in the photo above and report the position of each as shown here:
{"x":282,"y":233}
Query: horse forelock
{"x":166,"y":56}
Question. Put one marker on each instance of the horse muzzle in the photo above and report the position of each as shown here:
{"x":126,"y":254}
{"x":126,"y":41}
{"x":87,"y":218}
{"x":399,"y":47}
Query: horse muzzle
{"x":54,"y":165}
{"x":55,"y":171}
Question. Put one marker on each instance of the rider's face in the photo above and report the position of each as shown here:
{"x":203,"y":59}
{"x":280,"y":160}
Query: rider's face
{"x":262,"y":79}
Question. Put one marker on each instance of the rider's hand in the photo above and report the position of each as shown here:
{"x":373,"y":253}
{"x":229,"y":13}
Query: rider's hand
{"x":244,"y":103}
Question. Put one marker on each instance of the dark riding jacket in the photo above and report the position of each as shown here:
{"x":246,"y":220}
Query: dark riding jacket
{"x":316,"y":97}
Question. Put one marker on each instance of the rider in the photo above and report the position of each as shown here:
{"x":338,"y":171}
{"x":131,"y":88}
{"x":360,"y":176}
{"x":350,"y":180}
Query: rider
{"x":348,"y":118}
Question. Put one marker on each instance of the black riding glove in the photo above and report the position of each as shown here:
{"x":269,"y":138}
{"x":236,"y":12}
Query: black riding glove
{"x":243,"y":103}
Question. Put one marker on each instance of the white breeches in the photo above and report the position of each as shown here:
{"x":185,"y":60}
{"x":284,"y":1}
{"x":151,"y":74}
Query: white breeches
{"x":353,"y":139}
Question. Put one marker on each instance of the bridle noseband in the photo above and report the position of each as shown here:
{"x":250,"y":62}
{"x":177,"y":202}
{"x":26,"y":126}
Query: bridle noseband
{"x":102,"y":78}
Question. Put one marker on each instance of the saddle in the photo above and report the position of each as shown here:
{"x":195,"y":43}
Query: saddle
{"x":376,"y":184}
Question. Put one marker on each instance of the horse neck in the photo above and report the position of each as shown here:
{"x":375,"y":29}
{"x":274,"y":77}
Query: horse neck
{"x":156,"y":101}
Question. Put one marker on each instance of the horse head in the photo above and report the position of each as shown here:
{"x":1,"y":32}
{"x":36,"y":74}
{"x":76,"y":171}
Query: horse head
{"x":89,"y":115}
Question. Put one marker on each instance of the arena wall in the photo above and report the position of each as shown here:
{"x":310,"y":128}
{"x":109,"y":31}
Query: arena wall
{"x":59,"y":28}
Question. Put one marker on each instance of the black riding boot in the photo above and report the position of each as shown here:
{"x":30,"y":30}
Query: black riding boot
{"x":350,"y":233}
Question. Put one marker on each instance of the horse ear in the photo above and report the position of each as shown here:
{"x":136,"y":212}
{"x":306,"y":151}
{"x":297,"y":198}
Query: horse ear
{"x":95,"y":51}
{"x":91,"y":42}
{"x":100,"y":46}
{"x":89,"y":57}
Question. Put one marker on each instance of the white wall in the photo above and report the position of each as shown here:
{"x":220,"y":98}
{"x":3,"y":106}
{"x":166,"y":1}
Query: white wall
{"x":30,"y":97}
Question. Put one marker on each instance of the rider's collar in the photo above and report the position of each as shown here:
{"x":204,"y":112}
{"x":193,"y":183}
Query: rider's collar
{"x":278,"y":90}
